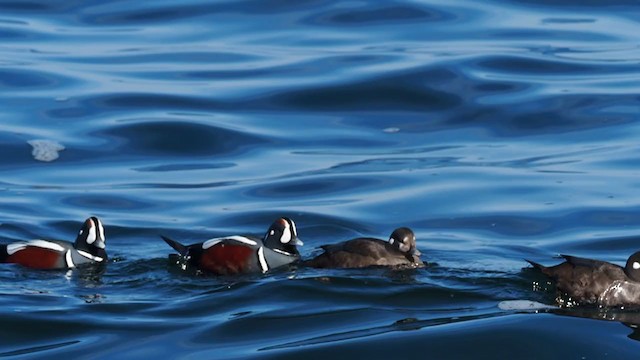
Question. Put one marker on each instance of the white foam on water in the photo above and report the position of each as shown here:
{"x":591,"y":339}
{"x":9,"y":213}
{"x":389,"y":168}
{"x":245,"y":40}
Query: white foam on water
{"x":45,"y":150}
{"x":523,"y":305}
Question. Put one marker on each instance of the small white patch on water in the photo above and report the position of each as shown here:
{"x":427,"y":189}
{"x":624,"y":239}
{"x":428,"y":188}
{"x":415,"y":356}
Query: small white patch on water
{"x":45,"y":150}
{"x":523,"y":305}
{"x":391,"y":130}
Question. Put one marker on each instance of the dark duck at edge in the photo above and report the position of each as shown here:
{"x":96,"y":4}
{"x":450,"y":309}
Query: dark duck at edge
{"x":595,"y":282}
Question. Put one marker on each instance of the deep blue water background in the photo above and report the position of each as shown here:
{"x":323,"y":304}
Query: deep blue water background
{"x":497,"y":130}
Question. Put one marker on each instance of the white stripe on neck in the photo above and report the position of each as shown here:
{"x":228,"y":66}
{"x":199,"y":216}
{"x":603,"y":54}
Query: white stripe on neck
{"x":89,"y":256}
{"x":282,"y":252}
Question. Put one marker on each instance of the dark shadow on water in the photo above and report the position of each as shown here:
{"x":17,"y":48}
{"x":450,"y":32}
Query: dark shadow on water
{"x":544,"y":291}
{"x":407,"y":324}
{"x":371,"y":13}
{"x":178,"y":266}
{"x":627,"y":317}
{"x":36,"y":349}
{"x":87,"y":275}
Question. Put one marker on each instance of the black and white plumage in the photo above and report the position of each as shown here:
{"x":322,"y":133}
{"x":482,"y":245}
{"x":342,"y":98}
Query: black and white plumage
{"x":398,"y":252}
{"x":89,"y":247}
{"x":238,"y":254}
{"x":587,"y":281}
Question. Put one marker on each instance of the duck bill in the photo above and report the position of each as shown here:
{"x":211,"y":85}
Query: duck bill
{"x":417,"y":252}
{"x":298,"y":242}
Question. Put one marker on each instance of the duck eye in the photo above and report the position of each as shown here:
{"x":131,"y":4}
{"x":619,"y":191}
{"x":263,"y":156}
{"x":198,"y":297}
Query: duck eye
{"x":636,"y":265}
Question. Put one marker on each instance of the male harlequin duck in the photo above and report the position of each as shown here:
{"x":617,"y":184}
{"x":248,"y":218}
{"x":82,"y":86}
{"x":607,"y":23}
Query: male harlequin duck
{"x":50,"y":254}
{"x":399,"y":252}
{"x":596,"y":282}
{"x":243,"y":254}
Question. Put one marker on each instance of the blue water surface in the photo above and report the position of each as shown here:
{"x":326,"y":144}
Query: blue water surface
{"x":496,"y":130}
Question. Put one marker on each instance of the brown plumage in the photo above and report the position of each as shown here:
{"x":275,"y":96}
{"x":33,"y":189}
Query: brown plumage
{"x":588,"y":281}
{"x":399,"y":251}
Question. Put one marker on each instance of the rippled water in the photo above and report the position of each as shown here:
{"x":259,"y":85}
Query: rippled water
{"x":496,"y":130}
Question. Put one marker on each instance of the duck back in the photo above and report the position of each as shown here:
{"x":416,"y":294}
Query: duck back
{"x":359,"y":253}
{"x":583,"y":280}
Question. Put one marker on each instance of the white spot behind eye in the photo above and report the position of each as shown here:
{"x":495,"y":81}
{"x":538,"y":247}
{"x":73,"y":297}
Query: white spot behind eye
{"x":636,"y":265}
{"x":81,"y":231}
{"x":392,"y":241}
{"x":272,"y":232}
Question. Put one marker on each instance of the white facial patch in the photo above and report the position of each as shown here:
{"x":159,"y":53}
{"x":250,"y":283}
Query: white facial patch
{"x":91,"y":237}
{"x":636,"y":265}
{"x":404,"y":247}
{"x":392,"y":241}
{"x":286,"y":236}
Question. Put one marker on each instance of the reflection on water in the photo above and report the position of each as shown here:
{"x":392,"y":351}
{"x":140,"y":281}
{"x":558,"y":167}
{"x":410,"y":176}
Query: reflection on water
{"x":627,"y":317}
{"x":400,"y":325}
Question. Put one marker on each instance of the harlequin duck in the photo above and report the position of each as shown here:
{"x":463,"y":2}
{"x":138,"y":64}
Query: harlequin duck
{"x":89,"y":247}
{"x":237,"y":254}
{"x":398,"y":252}
{"x":596,"y":282}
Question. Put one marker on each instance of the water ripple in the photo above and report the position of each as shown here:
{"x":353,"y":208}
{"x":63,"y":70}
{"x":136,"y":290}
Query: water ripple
{"x":497,"y":131}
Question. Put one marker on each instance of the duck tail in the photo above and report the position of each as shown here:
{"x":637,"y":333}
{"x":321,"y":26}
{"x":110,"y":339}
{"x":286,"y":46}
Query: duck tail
{"x":537,"y":266}
{"x":176,"y":245}
{"x":3,"y":253}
